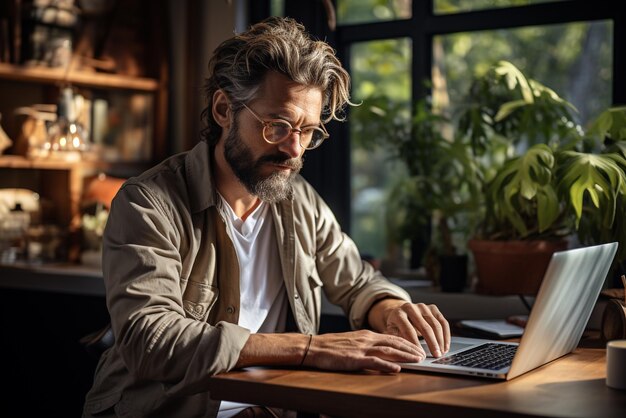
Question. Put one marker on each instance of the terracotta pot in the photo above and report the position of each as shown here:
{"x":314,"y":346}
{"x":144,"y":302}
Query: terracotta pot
{"x":512,"y":267}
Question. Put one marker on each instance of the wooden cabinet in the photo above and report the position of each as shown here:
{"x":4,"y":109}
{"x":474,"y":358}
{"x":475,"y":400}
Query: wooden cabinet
{"x":57,"y":182}
{"x":127,"y":104}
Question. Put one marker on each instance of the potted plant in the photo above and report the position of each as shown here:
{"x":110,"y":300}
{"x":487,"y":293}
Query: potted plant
{"x":431,"y":202}
{"x":559,"y":180}
{"x":516,"y":161}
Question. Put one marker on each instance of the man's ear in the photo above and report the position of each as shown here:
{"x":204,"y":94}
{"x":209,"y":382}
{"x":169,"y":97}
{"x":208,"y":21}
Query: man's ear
{"x":221,"y":109}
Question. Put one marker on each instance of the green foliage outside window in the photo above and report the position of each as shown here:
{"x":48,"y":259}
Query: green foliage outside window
{"x":573,"y":59}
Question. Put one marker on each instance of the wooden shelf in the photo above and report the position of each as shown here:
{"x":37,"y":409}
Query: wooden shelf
{"x":16,"y":161}
{"x":91,"y":166}
{"x":88,"y":79}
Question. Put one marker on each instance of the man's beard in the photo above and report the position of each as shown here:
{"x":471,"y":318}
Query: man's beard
{"x":273,"y":188}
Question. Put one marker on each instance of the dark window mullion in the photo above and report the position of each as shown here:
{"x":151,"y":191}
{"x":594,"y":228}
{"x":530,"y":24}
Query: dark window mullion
{"x":531,"y":15}
{"x":502,"y":18}
{"x":422,"y":49}
{"x":374,"y":31}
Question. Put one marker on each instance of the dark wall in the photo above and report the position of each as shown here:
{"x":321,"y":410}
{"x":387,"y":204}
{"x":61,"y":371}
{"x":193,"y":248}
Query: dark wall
{"x":46,"y":371}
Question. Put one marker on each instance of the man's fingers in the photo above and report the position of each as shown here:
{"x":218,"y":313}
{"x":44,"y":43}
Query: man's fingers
{"x":443,"y":334}
{"x":400,"y":342}
{"x":437,"y":330}
{"x":421,"y":317}
{"x":363,"y":350}
{"x":378,"y":364}
{"x":397,"y":355}
{"x":405,"y":329}
{"x":446,"y":329}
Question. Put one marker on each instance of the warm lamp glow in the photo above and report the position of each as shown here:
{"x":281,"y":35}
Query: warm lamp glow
{"x":66,"y":138}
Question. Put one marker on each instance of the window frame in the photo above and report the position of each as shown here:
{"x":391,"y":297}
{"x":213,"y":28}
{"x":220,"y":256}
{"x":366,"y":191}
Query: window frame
{"x":329,"y":169}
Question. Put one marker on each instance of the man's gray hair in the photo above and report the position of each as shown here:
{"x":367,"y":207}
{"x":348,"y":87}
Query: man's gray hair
{"x":239,"y":65}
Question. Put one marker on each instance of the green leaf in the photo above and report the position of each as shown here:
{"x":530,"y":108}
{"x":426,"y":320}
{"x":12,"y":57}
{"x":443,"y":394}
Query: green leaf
{"x":515,"y":78}
{"x":548,"y":208}
{"x":507,"y":108}
{"x":601,"y":177}
{"x":523,"y":192}
{"x":609,"y":124}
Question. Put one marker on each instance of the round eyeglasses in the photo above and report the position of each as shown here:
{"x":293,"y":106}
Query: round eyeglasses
{"x":276,"y":131}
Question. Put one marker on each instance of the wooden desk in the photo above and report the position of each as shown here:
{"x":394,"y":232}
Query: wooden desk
{"x":573,"y":386}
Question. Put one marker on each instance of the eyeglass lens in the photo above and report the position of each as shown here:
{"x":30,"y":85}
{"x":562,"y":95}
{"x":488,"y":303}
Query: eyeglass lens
{"x":276,"y":131}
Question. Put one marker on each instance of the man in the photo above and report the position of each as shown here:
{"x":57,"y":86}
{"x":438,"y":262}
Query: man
{"x":216,"y":258}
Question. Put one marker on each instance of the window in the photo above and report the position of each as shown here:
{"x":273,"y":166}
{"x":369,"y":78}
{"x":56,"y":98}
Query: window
{"x":372,"y":10}
{"x":379,"y":69}
{"x":277,"y":7}
{"x":392,"y":46}
{"x":575,"y":59}
{"x":457,"y":6}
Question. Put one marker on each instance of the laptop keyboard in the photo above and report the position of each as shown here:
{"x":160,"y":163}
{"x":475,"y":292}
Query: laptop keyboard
{"x":486,"y":356}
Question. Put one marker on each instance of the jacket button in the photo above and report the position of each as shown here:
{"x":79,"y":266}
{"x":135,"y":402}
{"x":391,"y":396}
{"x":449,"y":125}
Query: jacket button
{"x":230,"y":310}
{"x":295,"y":296}
{"x":199,"y":309}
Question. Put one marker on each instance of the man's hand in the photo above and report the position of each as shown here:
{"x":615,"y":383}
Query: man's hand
{"x":399,"y":325}
{"x":410,"y":321}
{"x":358,"y":350}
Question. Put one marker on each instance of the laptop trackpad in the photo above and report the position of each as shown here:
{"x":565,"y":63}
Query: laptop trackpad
{"x":454,"y":346}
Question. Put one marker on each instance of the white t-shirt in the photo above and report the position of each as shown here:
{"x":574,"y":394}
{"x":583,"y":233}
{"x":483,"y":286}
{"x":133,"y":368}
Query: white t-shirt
{"x":263,"y":298}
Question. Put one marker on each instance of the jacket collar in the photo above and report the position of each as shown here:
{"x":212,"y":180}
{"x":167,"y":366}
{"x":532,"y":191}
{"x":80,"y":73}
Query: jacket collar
{"x":199,"y":177}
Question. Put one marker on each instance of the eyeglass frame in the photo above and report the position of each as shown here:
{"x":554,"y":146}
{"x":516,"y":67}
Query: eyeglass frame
{"x":266,"y":125}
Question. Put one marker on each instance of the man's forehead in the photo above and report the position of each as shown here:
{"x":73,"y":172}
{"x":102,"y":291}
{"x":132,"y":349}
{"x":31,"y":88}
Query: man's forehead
{"x":279,"y":94}
{"x":278,"y":85}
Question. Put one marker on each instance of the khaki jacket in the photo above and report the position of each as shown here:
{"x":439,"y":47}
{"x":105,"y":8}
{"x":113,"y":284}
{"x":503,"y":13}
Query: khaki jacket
{"x":172,"y":287}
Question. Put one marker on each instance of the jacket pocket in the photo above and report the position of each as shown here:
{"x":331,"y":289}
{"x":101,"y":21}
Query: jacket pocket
{"x":198,"y":299}
{"x":309,"y":305}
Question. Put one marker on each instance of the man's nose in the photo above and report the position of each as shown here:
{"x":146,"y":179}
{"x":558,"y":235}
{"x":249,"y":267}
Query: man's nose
{"x":291,"y":145}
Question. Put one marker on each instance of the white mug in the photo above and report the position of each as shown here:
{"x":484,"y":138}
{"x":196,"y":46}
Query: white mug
{"x":616,"y":364}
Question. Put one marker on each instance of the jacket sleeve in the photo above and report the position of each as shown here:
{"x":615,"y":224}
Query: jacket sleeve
{"x":349,"y":282}
{"x":142,"y":272}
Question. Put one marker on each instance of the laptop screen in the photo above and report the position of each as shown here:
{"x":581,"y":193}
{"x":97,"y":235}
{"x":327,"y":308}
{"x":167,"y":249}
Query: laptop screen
{"x":568,"y":293}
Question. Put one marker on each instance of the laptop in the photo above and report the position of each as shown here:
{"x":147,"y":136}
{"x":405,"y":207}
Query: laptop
{"x":568,"y":293}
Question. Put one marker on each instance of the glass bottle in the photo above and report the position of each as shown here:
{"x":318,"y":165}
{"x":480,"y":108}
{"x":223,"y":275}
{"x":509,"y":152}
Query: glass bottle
{"x":66,"y":137}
